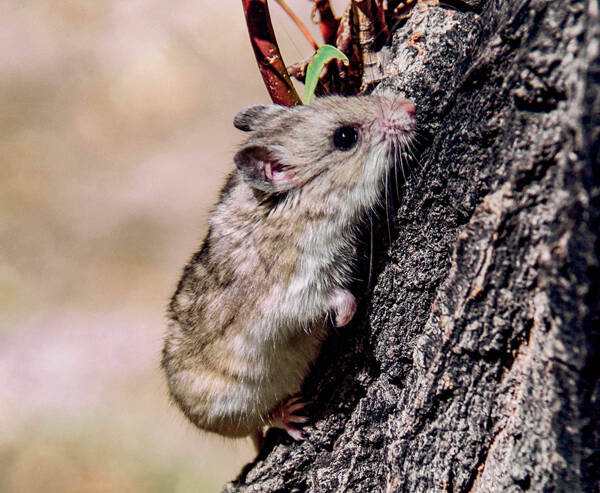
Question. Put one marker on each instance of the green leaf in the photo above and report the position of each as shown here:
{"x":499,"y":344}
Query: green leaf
{"x":324,"y":55}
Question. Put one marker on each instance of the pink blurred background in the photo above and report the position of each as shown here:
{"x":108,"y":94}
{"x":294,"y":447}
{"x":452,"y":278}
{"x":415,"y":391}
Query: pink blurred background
{"x":115,"y":136}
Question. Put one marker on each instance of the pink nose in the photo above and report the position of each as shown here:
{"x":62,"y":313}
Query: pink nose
{"x":409,"y":107}
{"x":397,"y":118}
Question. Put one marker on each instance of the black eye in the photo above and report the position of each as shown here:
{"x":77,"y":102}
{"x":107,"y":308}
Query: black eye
{"x":345,"y":138}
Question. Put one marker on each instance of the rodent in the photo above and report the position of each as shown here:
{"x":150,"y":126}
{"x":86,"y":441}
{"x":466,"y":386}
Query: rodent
{"x":256,"y":301}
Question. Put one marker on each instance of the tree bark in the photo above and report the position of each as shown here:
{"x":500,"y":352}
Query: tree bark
{"x":473,"y":362}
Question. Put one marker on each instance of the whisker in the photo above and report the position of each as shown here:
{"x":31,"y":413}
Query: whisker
{"x":370,"y":253}
{"x":395,"y":158}
{"x":400,"y":159}
{"x":387,"y":215}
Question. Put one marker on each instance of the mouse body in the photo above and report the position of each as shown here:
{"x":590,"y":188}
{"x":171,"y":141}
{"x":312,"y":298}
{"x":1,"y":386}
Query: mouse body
{"x":256,"y":301}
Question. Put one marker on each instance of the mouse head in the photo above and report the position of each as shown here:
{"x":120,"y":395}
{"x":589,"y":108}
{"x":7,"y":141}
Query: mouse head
{"x":336,"y":141}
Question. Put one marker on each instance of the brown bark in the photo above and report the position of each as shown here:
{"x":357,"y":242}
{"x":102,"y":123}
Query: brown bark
{"x":472,"y":364}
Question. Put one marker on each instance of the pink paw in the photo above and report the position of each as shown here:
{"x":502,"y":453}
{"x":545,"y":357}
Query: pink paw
{"x":284,"y":416}
{"x":344,"y":306}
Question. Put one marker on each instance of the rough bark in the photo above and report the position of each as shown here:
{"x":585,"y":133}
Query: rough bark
{"x":472,"y":364}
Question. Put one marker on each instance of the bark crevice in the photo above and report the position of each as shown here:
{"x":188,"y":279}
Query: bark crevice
{"x":471,"y":364}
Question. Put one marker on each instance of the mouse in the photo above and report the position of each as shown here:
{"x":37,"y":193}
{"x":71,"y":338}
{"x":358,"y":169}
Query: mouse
{"x":271,"y":279}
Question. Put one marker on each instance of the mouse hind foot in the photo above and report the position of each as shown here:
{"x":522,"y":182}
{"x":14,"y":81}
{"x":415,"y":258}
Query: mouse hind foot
{"x":285,"y":416}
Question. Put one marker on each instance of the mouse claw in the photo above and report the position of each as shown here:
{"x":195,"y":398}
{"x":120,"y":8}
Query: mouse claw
{"x":284,"y":416}
{"x":290,"y":400}
{"x":295,"y":433}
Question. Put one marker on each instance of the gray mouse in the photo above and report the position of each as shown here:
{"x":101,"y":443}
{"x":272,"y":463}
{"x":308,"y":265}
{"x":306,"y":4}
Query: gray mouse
{"x":256,"y":301}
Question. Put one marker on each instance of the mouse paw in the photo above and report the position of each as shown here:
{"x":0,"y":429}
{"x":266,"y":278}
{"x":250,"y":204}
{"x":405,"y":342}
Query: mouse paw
{"x":344,"y":306}
{"x":284,"y":416}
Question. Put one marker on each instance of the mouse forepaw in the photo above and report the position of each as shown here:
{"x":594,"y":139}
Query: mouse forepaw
{"x":284,"y":416}
{"x":344,"y":306}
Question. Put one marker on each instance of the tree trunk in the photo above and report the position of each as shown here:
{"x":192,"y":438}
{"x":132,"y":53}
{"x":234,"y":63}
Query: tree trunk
{"x":472,"y":364}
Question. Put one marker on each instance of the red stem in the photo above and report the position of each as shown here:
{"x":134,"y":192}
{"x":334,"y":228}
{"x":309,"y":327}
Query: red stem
{"x":271,"y":66}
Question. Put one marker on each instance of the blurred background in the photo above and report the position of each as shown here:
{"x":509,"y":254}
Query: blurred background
{"x":115,"y":137}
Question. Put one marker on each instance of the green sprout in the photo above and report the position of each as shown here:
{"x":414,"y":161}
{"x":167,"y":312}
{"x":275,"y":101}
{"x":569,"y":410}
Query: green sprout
{"x":322,"y":57}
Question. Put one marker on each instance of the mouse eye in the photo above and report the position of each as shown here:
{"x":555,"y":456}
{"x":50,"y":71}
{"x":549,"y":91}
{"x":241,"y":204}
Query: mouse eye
{"x":345,"y":138}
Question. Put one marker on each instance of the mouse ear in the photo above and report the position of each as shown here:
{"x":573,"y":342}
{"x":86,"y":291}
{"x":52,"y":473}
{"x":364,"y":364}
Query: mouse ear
{"x":265,"y":168}
{"x":251,"y":117}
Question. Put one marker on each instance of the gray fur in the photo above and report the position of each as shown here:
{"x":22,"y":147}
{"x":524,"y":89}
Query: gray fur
{"x":251,"y":310}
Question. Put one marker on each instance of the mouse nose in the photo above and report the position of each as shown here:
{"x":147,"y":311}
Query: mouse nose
{"x":397,"y":118}
{"x":409,"y":107}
